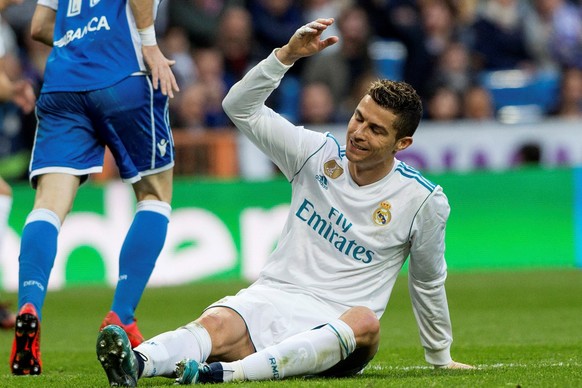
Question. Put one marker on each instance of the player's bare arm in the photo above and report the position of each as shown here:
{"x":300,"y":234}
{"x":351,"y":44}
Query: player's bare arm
{"x":306,"y":41}
{"x":43,"y":24}
{"x":157,"y":63}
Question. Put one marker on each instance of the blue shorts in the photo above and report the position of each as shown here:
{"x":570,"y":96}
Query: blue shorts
{"x":130,"y":118}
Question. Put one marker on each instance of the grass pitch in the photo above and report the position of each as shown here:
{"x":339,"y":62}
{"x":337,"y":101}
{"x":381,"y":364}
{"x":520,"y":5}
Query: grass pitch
{"x":521,"y":329}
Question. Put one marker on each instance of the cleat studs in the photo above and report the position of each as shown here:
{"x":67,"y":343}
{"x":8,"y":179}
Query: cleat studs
{"x":119,"y":343}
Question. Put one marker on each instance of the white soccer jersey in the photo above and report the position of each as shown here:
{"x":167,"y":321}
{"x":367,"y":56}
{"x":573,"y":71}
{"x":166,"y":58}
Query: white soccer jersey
{"x":342,"y":242}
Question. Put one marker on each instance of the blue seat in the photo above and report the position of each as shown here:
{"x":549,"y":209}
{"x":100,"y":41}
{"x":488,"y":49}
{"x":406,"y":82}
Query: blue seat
{"x":518,"y":88}
{"x":389,"y":57}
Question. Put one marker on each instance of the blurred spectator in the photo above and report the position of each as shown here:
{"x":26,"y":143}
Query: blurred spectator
{"x":176,"y":46}
{"x":342,"y":70}
{"x":210,"y":65}
{"x":570,"y":100}
{"x":189,"y":109}
{"x":444,"y":105}
{"x":16,"y":99}
{"x":400,"y":20}
{"x":499,"y":36}
{"x":18,"y":14}
{"x":466,"y":12}
{"x":528,"y":155}
{"x":566,"y":32}
{"x":538,"y":30}
{"x":316,"y":104}
{"x":453,"y":69}
{"x":235,"y":41}
{"x":274,"y":21}
{"x":440,"y":26}
{"x":478,"y":104}
{"x":199,"y":18}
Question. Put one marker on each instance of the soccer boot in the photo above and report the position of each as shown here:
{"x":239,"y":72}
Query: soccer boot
{"x":25,"y":356}
{"x":7,"y":317}
{"x":116,"y":357}
{"x":193,"y":372}
{"x":133,"y":333}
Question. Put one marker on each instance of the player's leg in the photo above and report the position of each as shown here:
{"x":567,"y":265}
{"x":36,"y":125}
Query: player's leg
{"x":218,"y":331}
{"x":133,"y":122}
{"x":306,"y":353}
{"x":141,"y":248}
{"x":54,"y":198}
{"x":65,"y":151}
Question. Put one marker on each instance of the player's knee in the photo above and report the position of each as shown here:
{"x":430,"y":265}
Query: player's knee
{"x":228,"y":332}
{"x":365,"y":324}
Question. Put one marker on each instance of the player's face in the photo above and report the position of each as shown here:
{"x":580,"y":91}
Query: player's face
{"x":371,"y":138}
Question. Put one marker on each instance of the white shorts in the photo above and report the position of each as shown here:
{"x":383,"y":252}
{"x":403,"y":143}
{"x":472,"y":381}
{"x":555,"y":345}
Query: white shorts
{"x":272,"y":314}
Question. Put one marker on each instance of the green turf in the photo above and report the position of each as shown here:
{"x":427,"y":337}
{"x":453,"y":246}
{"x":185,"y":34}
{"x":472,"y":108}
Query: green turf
{"x":520,"y":328}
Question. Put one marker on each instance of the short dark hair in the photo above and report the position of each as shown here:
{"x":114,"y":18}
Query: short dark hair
{"x":402,"y":100}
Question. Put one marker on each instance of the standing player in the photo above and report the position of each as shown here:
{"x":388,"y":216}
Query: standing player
{"x":356,"y":214}
{"x":106,"y":84}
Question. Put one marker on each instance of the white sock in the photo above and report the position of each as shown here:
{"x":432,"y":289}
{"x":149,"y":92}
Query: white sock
{"x":305,"y":353}
{"x":162,"y":352}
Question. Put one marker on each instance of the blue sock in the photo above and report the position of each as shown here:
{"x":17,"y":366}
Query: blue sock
{"x":38,"y":249}
{"x":143,"y":243}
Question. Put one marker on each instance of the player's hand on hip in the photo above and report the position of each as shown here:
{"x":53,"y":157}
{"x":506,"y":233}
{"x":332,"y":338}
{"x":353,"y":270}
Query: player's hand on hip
{"x":454,"y":365}
{"x":160,"y":68}
{"x":307,"y":41}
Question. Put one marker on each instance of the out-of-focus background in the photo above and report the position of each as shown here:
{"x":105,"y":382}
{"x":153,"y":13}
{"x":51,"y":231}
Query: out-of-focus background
{"x":501,"y":82}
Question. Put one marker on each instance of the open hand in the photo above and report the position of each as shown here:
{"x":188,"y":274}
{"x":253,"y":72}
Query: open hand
{"x":160,"y":68}
{"x":454,"y":365}
{"x":307,"y":41}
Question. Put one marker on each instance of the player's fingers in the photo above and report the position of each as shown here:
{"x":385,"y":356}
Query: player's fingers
{"x":155,"y":77}
{"x":313,"y":27}
{"x":329,"y":41}
{"x":326,"y":21}
{"x":455,"y":365}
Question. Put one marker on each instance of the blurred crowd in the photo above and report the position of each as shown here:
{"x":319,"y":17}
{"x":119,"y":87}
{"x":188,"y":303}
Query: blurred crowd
{"x":448,"y":47}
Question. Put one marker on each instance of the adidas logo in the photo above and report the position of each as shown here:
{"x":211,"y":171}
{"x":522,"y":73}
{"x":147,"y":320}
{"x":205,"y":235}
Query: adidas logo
{"x":322,"y":181}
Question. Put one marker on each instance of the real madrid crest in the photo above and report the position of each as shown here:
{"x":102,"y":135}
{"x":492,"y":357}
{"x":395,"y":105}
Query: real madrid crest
{"x":332,"y":169}
{"x":382,"y":215}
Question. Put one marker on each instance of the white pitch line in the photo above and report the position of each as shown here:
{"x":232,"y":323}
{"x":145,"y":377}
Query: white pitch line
{"x":482,"y":366}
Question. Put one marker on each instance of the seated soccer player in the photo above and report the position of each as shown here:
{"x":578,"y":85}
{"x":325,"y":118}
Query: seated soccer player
{"x":356,"y":214}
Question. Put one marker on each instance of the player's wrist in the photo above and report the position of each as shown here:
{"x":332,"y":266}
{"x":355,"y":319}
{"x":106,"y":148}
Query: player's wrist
{"x":284,"y":56}
{"x":148,"y":36}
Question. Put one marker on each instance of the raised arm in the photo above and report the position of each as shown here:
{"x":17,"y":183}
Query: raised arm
{"x":286,"y":144}
{"x":157,"y":63}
